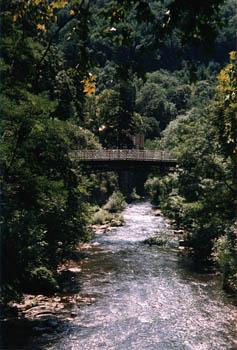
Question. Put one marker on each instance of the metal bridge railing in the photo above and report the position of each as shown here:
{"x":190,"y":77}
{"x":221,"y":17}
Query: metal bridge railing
{"x":121,"y":154}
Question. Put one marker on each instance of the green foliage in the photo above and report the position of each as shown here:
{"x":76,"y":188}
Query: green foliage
{"x":156,"y":240}
{"x":224,"y":117}
{"x":160,"y":99}
{"x":226,"y":107}
{"x":48,"y":54}
{"x":116,"y":203}
{"x":198,"y":21}
{"x":44,"y":212}
{"x":101,"y":217}
{"x":101,"y":186}
{"x":197,"y":195}
{"x":41,"y":280}
{"x":152,"y":187}
{"x":224,"y":254}
{"x":134,"y":196}
{"x":152,"y":103}
{"x":222,"y":251}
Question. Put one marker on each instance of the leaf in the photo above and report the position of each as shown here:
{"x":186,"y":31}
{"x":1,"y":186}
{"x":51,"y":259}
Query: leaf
{"x":233,"y":55}
{"x":41,"y":27}
{"x":59,"y":4}
{"x":89,"y":84}
{"x":38,"y":2}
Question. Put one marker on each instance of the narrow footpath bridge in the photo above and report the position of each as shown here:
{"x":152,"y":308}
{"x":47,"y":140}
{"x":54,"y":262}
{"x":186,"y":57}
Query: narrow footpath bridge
{"x":123,"y":159}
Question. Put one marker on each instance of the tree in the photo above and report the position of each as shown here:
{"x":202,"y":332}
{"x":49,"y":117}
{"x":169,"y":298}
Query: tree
{"x":152,"y":103}
{"x":44,"y":193}
{"x":131,"y":30}
{"x":225,"y":117}
{"x":197,"y":196}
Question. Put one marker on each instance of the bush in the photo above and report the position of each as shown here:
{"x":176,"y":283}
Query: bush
{"x":225,"y":255}
{"x":152,"y":188}
{"x":134,"y":195}
{"x":118,"y":220}
{"x":42,"y":280}
{"x":116,"y":203}
{"x":157,"y":240}
{"x":101,"y":217}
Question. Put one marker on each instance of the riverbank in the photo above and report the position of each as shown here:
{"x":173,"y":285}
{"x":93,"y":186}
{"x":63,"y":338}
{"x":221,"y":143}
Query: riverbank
{"x":103,"y":219}
{"x":42,"y":314}
{"x":170,"y":237}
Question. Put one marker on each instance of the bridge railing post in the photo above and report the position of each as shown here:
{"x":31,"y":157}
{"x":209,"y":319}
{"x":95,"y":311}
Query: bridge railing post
{"x":92,"y":154}
{"x":115,"y":154}
{"x":129,"y":154}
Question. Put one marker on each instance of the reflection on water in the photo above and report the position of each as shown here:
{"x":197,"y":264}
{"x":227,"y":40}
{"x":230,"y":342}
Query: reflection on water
{"x":144,"y":298}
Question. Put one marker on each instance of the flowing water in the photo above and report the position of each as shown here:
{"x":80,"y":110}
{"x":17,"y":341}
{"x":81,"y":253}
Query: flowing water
{"x":144,"y":298}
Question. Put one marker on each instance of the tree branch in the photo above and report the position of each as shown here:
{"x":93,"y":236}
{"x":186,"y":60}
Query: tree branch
{"x":220,"y":172}
{"x":55,"y":34}
{"x":51,"y":41}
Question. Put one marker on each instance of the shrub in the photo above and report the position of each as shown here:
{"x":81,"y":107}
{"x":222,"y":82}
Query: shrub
{"x":116,"y":203}
{"x":152,"y":187}
{"x":134,"y":195}
{"x":159,"y":241}
{"x":118,"y":220}
{"x":102,"y":216}
{"x":42,"y":280}
{"x":225,"y":255}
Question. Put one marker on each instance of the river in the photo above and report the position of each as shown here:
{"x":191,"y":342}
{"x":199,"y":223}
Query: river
{"x":144,"y":297}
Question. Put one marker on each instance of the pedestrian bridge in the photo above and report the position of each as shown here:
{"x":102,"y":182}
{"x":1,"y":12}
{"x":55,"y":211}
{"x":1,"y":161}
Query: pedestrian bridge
{"x":123,"y":158}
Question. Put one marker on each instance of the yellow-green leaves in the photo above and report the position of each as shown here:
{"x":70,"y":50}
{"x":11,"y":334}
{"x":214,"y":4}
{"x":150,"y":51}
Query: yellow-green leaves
{"x":233,"y":55}
{"x":89,"y":85}
{"x":41,"y":27}
{"x":59,"y":4}
{"x":40,"y":12}
{"x":227,"y":104}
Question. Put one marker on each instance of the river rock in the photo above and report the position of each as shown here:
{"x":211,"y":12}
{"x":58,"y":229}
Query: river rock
{"x":45,"y":315}
{"x":103,"y":227}
{"x":234,"y":345}
{"x":182,"y":243}
{"x":74,"y":269}
{"x":157,"y":212}
{"x":178,"y":232}
{"x":187,"y":346}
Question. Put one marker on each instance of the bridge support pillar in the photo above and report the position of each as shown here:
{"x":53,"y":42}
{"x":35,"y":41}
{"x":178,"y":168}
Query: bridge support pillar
{"x":130,"y":179}
{"x":125,"y":180}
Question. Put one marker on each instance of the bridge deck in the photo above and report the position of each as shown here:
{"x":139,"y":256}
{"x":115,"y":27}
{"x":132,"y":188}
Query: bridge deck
{"x":123,"y":155}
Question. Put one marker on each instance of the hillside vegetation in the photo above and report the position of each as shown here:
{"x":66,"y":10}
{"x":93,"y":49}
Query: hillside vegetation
{"x":89,"y":74}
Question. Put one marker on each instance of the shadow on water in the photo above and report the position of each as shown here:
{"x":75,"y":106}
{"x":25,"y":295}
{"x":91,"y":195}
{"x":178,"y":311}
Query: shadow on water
{"x":22,"y":334}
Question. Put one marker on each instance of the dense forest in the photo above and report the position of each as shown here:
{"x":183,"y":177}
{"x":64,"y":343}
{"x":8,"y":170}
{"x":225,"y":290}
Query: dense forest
{"x":87,"y":75}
